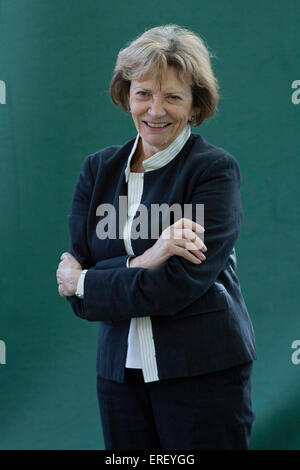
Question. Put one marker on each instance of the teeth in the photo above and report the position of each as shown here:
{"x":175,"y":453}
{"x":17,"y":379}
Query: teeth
{"x":156,"y":125}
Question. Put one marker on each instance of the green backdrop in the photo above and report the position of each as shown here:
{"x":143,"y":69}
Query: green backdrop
{"x":56,"y":61}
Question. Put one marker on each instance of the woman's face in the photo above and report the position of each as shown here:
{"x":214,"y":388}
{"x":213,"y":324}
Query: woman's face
{"x":160,"y":110}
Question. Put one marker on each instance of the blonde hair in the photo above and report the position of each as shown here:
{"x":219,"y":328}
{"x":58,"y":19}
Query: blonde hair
{"x":155,"y":50}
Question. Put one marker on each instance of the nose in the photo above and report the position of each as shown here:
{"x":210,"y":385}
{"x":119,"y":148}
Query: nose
{"x":156,"y":109}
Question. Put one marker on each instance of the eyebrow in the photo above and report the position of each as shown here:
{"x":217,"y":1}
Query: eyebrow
{"x":169,"y":92}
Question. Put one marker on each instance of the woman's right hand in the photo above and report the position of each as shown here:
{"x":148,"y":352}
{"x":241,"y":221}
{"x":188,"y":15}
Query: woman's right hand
{"x":178,"y":239}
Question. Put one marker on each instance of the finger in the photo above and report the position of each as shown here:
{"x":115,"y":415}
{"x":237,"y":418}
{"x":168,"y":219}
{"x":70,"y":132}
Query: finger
{"x":65,"y":255}
{"x":64,"y":264}
{"x":190,"y":235}
{"x":59,"y":273}
{"x":195,"y":250}
{"x":60,"y":291}
{"x":181,"y":237}
{"x":189,"y":223}
{"x":187,"y":245}
{"x":186,"y":254}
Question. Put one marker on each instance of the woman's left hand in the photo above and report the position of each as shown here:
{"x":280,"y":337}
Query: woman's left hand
{"x":67,"y":274}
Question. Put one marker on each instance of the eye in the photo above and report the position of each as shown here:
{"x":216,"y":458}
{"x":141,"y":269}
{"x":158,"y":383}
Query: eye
{"x":143,"y":94}
{"x":174,"y":97}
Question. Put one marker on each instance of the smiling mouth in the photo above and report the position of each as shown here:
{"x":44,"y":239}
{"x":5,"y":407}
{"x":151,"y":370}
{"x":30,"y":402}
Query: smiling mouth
{"x":157,"y":125}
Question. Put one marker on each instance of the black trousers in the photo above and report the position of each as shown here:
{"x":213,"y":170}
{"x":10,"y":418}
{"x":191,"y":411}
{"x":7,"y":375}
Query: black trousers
{"x":211,"y":411}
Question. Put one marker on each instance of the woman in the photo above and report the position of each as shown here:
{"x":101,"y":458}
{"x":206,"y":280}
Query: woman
{"x":176,"y":343}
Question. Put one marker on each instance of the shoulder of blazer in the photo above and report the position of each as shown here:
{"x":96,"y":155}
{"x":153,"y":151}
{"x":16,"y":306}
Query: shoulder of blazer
{"x":208,"y":154}
{"x":96,"y":159}
{"x":111,"y":155}
{"x":204,"y":161}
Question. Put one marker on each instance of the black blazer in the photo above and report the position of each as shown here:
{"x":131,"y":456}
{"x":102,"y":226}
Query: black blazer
{"x":199,"y":318}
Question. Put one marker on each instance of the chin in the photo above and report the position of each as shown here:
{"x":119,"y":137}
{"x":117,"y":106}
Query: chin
{"x":157,"y":138}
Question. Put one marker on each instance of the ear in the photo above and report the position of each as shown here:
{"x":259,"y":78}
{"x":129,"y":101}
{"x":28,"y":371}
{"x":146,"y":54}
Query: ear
{"x":193,"y":114}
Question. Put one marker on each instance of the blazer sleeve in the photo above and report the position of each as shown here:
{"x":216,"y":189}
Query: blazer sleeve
{"x":77,"y":221}
{"x":122,"y":293}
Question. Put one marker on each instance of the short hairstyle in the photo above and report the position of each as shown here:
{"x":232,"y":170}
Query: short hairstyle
{"x":156,"y":49}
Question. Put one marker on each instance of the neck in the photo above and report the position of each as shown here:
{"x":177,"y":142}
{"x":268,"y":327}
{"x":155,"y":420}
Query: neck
{"x":144,"y":151}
